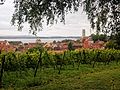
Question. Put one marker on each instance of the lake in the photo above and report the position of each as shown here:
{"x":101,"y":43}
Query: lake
{"x":34,"y":40}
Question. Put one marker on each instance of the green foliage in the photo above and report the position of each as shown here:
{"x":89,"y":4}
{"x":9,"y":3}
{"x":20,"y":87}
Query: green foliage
{"x":117,"y":39}
{"x":21,"y":63}
{"x":103,"y":14}
{"x":112,"y":44}
{"x":38,"y":49}
{"x":67,"y":40}
{"x":101,"y":77}
{"x":101,"y":37}
{"x":70,"y":46}
{"x":35,"y":12}
{"x":95,"y":37}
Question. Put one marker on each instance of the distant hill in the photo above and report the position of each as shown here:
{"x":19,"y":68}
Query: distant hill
{"x":34,"y":37}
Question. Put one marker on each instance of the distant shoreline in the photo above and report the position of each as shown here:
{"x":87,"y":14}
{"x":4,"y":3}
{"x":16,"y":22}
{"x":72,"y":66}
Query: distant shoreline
{"x":29,"y":37}
{"x":33,"y":39}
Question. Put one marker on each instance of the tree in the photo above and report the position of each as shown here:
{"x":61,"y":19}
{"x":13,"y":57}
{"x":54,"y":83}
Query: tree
{"x":95,"y":37}
{"x":54,"y":42}
{"x":70,"y":46}
{"x":35,"y":12}
{"x":101,"y":37}
{"x":104,"y":15}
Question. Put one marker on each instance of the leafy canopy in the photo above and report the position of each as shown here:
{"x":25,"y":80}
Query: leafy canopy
{"x":104,"y":15}
{"x":101,"y":37}
{"x":35,"y":12}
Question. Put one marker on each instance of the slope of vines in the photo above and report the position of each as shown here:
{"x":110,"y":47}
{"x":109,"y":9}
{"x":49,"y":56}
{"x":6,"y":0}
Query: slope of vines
{"x":22,"y":61}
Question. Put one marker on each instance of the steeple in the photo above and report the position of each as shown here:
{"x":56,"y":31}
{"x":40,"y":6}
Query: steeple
{"x":83,"y":32}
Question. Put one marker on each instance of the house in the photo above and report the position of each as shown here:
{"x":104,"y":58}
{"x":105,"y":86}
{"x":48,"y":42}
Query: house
{"x":27,"y":46}
{"x":55,"y":46}
{"x":87,"y":42}
{"x":17,"y":45}
{"x":63,"y":46}
{"x":48,"y":46}
{"x":76,"y":45}
{"x":98,"y":44}
{"x":6,"y":46}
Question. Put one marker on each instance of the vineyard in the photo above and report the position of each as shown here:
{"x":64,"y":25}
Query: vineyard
{"x":32,"y":64}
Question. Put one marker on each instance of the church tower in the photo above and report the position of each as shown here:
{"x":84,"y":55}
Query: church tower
{"x":83,"y":33}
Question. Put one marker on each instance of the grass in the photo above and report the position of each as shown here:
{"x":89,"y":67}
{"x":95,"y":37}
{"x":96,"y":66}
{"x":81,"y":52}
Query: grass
{"x":102,"y":77}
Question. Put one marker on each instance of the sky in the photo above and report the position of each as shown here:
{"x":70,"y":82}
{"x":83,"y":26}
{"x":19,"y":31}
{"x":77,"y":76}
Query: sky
{"x":73,"y":26}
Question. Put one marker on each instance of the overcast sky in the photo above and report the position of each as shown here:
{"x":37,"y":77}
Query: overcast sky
{"x":73,"y":27}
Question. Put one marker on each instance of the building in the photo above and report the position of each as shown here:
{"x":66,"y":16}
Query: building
{"x":83,"y":33}
{"x":6,"y":46}
{"x":87,"y":42}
